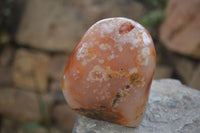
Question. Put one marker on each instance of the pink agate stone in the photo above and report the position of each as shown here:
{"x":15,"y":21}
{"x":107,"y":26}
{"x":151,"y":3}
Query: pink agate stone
{"x":109,"y":73}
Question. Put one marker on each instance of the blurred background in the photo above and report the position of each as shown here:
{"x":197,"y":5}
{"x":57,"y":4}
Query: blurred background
{"x":38,"y":36}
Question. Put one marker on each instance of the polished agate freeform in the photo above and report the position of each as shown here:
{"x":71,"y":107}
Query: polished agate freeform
{"x":109,"y":73}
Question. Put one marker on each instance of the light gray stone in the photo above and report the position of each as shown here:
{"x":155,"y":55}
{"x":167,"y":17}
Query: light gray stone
{"x":172,"y":108}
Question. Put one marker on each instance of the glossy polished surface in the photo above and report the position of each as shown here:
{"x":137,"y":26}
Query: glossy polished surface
{"x":110,"y":71}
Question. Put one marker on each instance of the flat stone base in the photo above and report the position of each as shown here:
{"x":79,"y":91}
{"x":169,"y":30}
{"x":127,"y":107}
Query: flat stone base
{"x":172,"y":108}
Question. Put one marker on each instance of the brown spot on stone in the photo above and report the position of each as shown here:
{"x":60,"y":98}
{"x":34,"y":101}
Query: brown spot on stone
{"x":103,"y":107}
{"x":127,"y":87}
{"x":136,"y":79}
{"x":117,"y":96}
{"x":109,"y":76}
{"x":125,"y":28}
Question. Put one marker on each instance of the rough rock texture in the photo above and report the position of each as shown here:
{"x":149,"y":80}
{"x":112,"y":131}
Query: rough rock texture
{"x":57,"y":25}
{"x":19,"y":105}
{"x":173,"y":108}
{"x":180,"y":31}
{"x":30,"y":70}
{"x":64,"y":117}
